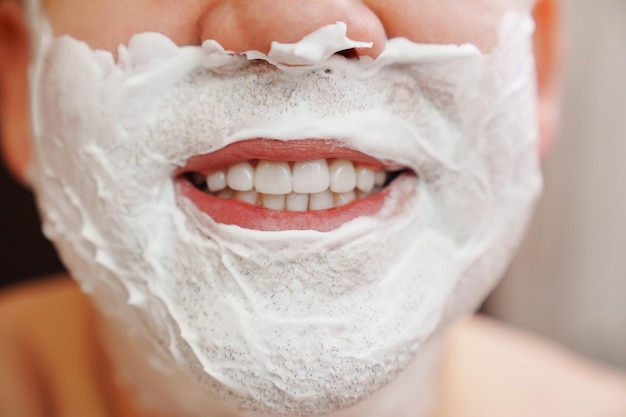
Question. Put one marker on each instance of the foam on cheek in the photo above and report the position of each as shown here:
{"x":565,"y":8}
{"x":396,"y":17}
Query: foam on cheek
{"x":294,"y":322}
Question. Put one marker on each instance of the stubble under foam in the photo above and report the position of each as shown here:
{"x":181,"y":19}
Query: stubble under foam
{"x":292,"y":322}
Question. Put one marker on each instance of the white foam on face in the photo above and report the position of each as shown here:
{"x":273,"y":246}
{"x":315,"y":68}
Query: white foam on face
{"x":292,"y":322}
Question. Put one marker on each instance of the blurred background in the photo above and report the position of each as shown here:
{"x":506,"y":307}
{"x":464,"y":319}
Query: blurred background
{"x":569,"y":281}
{"x":24,"y":253}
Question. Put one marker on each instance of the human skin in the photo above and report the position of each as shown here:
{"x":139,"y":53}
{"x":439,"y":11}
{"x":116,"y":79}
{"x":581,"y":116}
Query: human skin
{"x":244,"y":25}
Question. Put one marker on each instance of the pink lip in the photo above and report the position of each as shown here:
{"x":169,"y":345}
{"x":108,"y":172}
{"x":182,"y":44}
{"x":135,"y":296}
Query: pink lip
{"x":276,"y":150}
{"x":235,"y":212}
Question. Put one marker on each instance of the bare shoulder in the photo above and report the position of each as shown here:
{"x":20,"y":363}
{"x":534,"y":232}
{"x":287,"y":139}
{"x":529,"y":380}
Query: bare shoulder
{"x":493,"y":370}
{"x":44,"y":347}
{"x":42,"y":310}
{"x":29,"y":298}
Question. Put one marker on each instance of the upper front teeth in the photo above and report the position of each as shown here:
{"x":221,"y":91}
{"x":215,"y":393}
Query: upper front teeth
{"x":305,"y":177}
{"x":310,"y":176}
{"x":295,"y":186}
{"x":273,"y":178}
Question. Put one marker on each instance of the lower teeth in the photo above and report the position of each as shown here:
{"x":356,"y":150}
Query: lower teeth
{"x":294,"y":201}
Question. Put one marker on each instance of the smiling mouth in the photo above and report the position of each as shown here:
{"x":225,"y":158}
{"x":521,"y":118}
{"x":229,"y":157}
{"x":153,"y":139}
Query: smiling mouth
{"x":273,"y":185}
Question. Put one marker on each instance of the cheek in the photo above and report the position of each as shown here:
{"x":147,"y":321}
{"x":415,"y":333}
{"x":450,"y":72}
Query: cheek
{"x":105,"y":24}
{"x":444,"y":21}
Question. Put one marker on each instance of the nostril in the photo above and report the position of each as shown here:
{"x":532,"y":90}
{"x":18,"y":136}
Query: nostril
{"x":349,"y":53}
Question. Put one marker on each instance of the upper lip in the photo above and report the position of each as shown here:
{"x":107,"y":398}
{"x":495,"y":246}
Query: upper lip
{"x":276,"y":150}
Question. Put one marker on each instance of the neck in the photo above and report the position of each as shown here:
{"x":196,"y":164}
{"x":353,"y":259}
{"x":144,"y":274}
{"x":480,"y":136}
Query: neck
{"x":163,"y":389}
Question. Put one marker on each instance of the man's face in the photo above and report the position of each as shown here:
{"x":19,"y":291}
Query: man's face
{"x":290,"y":225}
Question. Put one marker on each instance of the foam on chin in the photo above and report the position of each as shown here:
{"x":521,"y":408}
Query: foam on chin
{"x":291,"y":322}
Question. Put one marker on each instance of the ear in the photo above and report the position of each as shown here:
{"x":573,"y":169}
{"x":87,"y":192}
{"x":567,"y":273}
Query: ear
{"x":549,"y":56}
{"x":15,"y":129}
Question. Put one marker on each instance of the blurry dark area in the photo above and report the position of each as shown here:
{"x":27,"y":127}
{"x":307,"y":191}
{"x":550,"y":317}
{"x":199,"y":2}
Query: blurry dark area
{"x":26,"y":254}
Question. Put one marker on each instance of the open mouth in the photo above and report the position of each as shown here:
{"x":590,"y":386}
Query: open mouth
{"x":296,"y":185}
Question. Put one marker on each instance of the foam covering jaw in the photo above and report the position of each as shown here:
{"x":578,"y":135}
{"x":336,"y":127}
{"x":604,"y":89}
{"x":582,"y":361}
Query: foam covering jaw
{"x":290,"y":322}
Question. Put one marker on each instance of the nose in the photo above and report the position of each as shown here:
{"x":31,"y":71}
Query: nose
{"x":242,"y":25}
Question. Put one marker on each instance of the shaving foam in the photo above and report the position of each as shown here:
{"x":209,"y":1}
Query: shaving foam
{"x":289,"y":322}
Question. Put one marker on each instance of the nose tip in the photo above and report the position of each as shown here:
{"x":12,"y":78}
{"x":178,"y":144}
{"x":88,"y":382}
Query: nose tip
{"x":242,"y":25}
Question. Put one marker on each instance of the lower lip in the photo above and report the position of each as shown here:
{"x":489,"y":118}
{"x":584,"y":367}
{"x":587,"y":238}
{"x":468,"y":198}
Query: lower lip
{"x":235,"y":212}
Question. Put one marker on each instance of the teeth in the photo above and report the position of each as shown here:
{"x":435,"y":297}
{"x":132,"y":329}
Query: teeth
{"x":273,"y":177}
{"x":343,"y":176}
{"x":216,"y":181}
{"x":240,"y":177}
{"x":308,"y":185}
{"x":362,"y":194}
{"x":344,"y":198}
{"x":249,"y":197}
{"x":310,"y":176}
{"x":297,"y":202}
{"x":379,"y":178}
{"x":364,"y":179}
{"x":321,"y":201}
{"x":226,"y":194}
{"x":274,"y":202}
